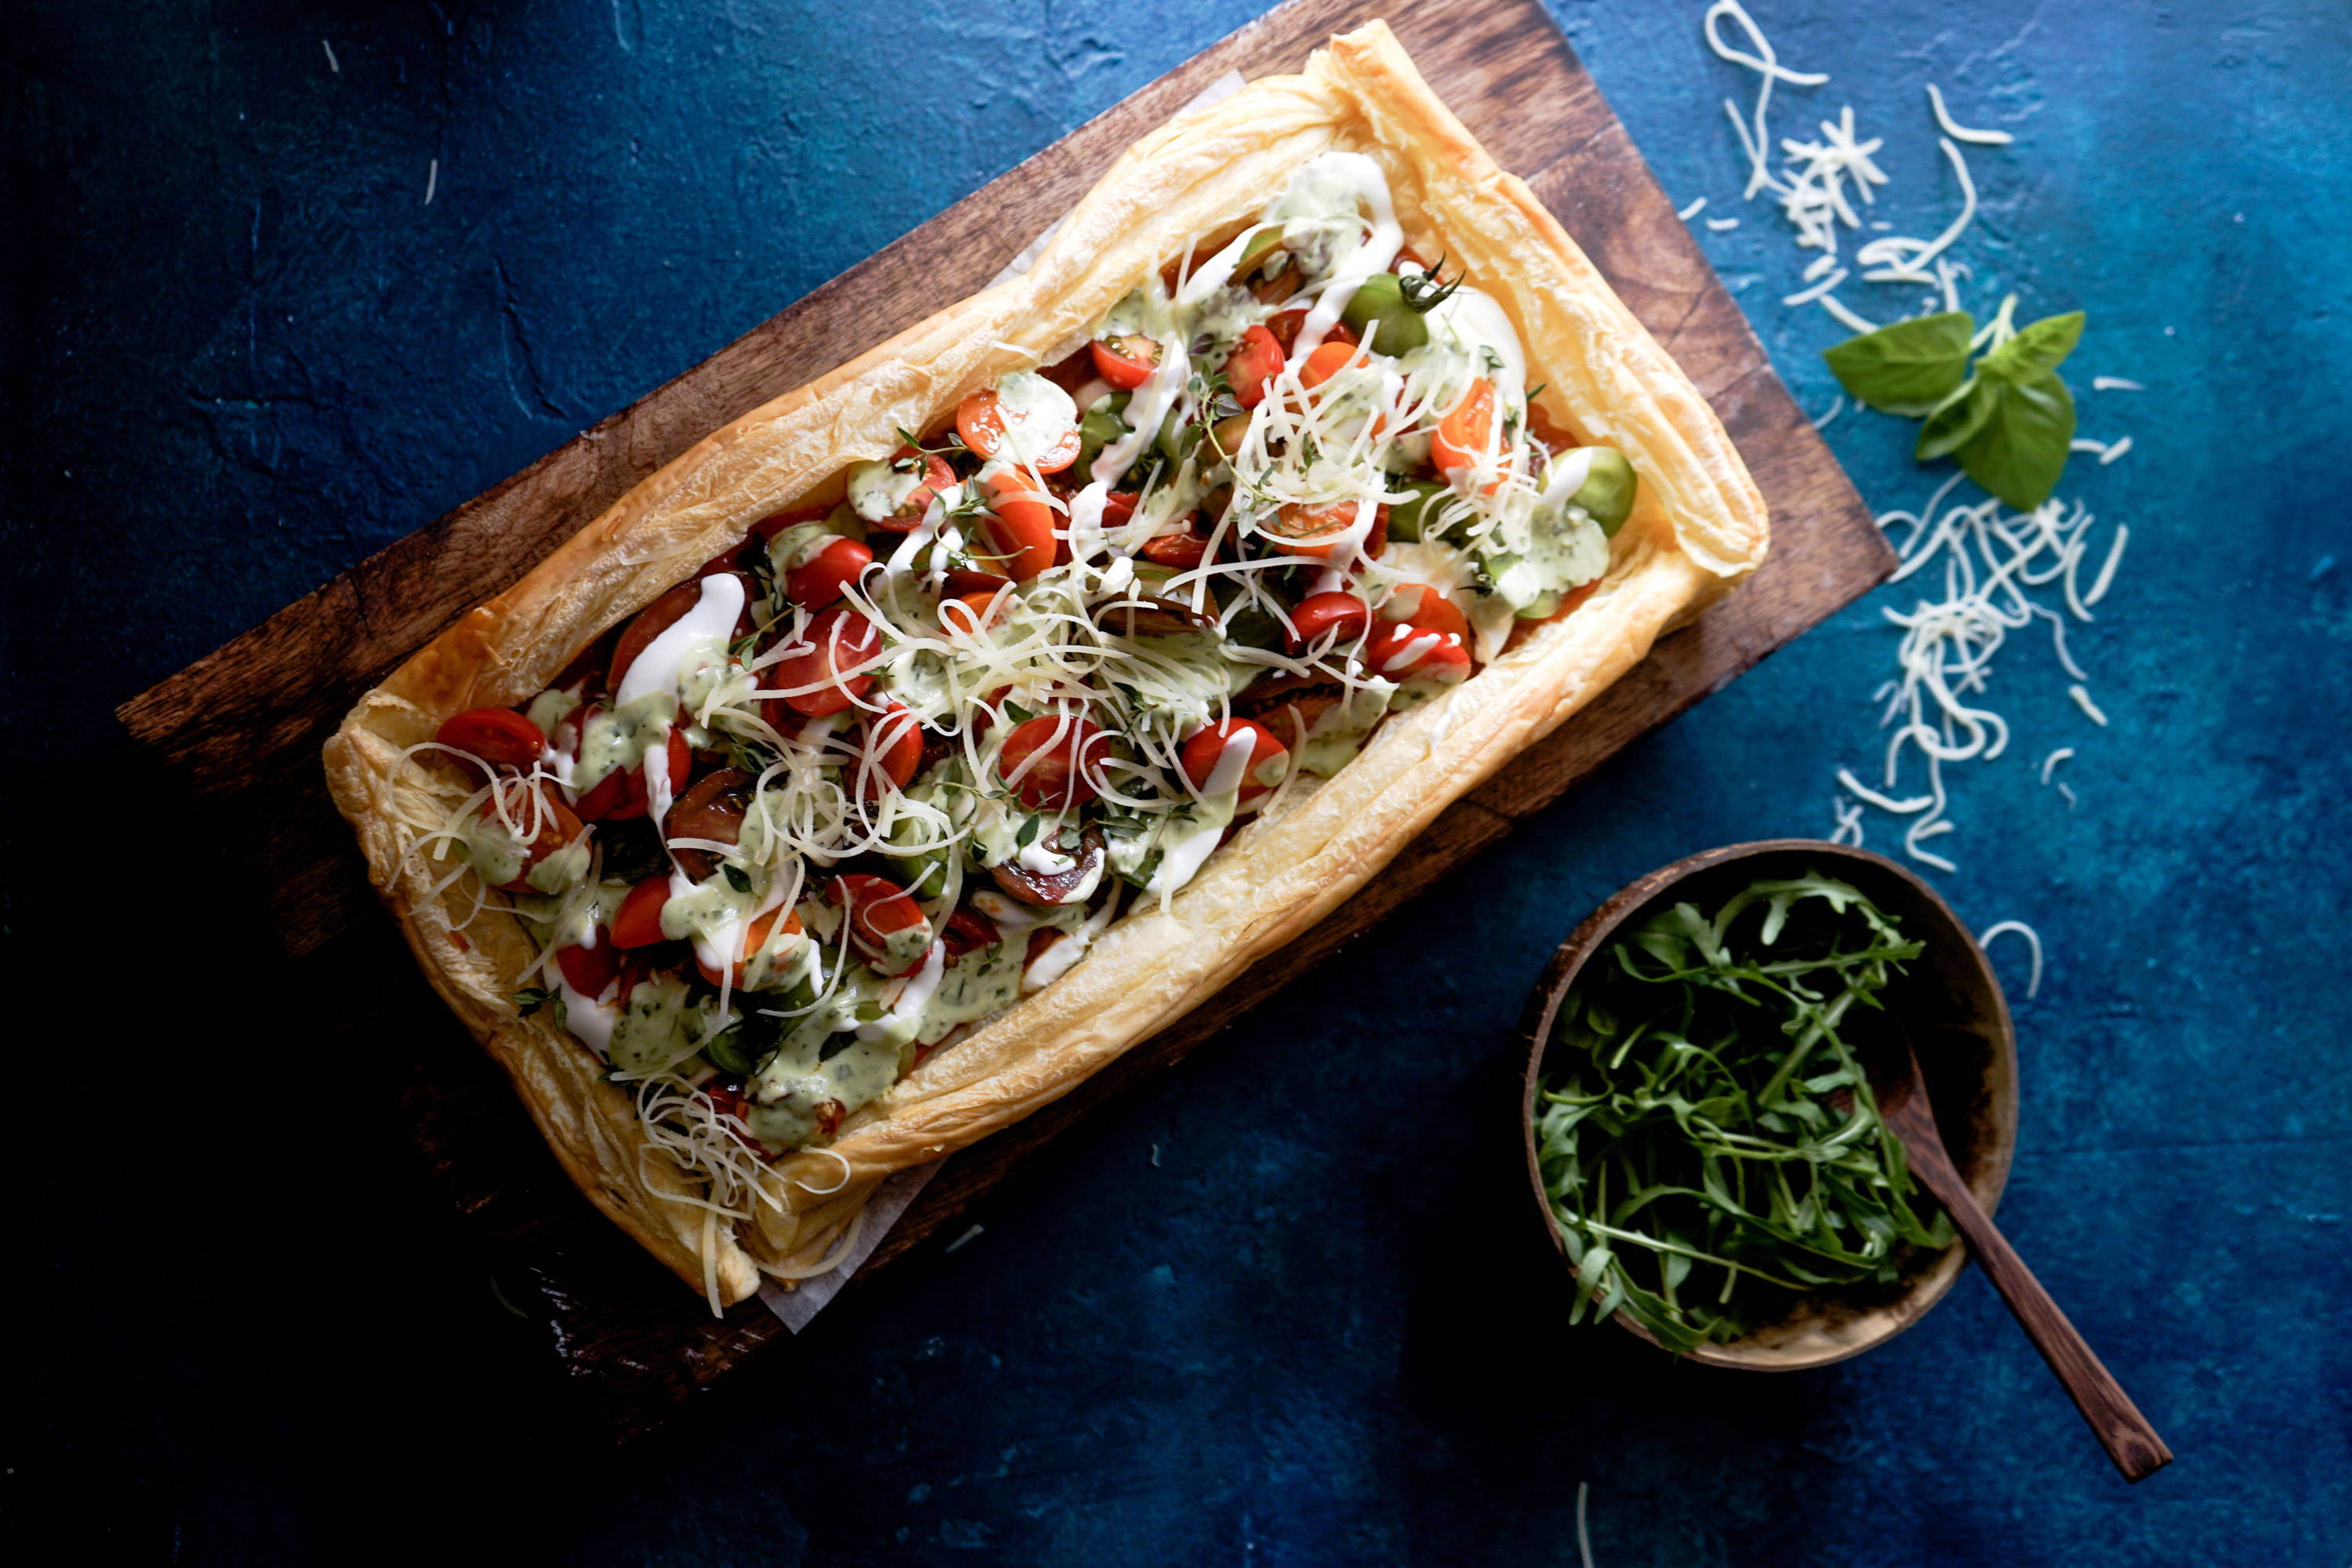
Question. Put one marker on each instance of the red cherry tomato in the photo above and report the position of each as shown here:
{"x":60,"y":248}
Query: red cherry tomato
{"x":1329,"y":358}
{"x":979,"y":420}
{"x":826,"y":676}
{"x":1022,"y":526}
{"x":498,"y":735}
{"x":1184,"y":551}
{"x":537,"y":815}
{"x":1118,"y":509}
{"x":967,"y":931}
{"x":1317,"y":530}
{"x":620,"y":796}
{"x":892,"y":751}
{"x":1255,"y":360}
{"x":878,"y":910}
{"x":1125,"y":360}
{"x":1409,"y":654}
{"x":1285,"y":325}
{"x":650,"y":623}
{"x":1269,"y":759}
{"x":1319,"y":613}
{"x":751,"y":938}
{"x":1425,"y":607}
{"x":637,"y":922}
{"x":820,"y":582}
{"x":1057,"y":758}
{"x":588,"y":970}
{"x":776,"y":522}
{"x":936,"y":478}
{"x":1461,"y":438}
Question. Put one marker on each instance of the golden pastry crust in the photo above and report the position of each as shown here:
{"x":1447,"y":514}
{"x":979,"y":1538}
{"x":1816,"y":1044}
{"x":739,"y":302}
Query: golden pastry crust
{"x":1698,"y":526}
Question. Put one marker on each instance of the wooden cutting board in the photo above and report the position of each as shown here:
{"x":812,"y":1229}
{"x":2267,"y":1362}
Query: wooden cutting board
{"x":242,"y":726}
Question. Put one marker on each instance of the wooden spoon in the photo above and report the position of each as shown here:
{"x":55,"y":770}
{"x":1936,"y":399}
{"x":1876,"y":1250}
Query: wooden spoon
{"x":2114,"y":1420}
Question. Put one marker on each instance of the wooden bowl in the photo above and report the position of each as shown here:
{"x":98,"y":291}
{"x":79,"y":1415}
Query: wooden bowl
{"x":1950,"y":1002}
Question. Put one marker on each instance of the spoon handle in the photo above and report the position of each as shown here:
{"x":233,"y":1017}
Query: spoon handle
{"x":2114,"y":1420}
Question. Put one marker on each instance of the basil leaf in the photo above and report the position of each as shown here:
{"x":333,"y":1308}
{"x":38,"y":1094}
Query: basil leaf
{"x":2036,"y":351}
{"x":1906,"y":368}
{"x":532,"y":1000}
{"x":2021,"y":449}
{"x":1957,"y":419}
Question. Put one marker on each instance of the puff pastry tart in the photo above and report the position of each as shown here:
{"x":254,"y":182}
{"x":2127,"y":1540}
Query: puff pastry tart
{"x":912,"y":746}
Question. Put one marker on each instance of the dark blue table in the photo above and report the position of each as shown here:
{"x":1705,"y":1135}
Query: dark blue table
{"x":1280,"y":1306}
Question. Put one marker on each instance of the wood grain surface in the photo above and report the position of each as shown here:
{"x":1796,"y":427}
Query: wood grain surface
{"x":242,"y":726}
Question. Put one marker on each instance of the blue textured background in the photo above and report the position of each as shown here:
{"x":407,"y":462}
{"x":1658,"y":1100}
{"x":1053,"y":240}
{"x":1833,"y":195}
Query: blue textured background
{"x":1282,"y":1305}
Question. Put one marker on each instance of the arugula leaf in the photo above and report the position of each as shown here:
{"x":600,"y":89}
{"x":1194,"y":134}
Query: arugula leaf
{"x":2021,"y":448}
{"x":1709,"y":1145}
{"x":1906,"y":368}
{"x":2036,"y":350}
{"x":1957,"y":419}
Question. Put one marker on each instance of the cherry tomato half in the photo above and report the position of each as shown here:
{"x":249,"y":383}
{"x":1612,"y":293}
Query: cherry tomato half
{"x":979,"y":420}
{"x":1269,"y":759}
{"x":751,"y":937}
{"x":1409,"y":654}
{"x":1057,"y":758}
{"x":826,"y":676}
{"x":972,"y":613}
{"x":880,"y":909}
{"x":1329,"y":358}
{"x":819,"y":583}
{"x":498,"y":735}
{"x":938,"y":478}
{"x":1255,"y":360}
{"x":537,"y":817}
{"x":1319,"y":613}
{"x":588,"y":970}
{"x":1125,"y":360}
{"x":967,"y":931}
{"x":1022,"y":526}
{"x":890,"y":753}
{"x":637,"y":922}
{"x":1425,"y":607}
{"x":1285,"y":324}
{"x":1461,"y":438}
{"x":620,"y":796}
{"x":650,"y":623}
{"x":1319,"y":531}
{"x":1184,"y":551}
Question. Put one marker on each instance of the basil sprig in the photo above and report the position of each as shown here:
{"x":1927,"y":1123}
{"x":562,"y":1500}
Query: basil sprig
{"x":2009,"y":420}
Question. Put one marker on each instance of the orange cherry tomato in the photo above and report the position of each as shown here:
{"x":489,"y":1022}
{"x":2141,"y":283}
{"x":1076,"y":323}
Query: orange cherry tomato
{"x":1319,"y":613}
{"x":1424,"y":606}
{"x":826,"y":676}
{"x":637,"y":922}
{"x":1461,"y":438}
{"x":1409,"y":654}
{"x":979,"y":420}
{"x":1327,"y":360}
{"x":936,"y":478}
{"x":820,"y":582}
{"x":1056,"y":758}
{"x":878,"y":910}
{"x":537,"y":815}
{"x":499,"y":735}
{"x":1022,"y":526}
{"x":751,"y":938}
{"x":1255,"y":360}
{"x":621,"y":796}
{"x":588,"y":970}
{"x":1317,"y":529}
{"x":974,"y":613}
{"x":891,"y":752}
{"x":1269,"y":759}
{"x":1125,"y":360}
